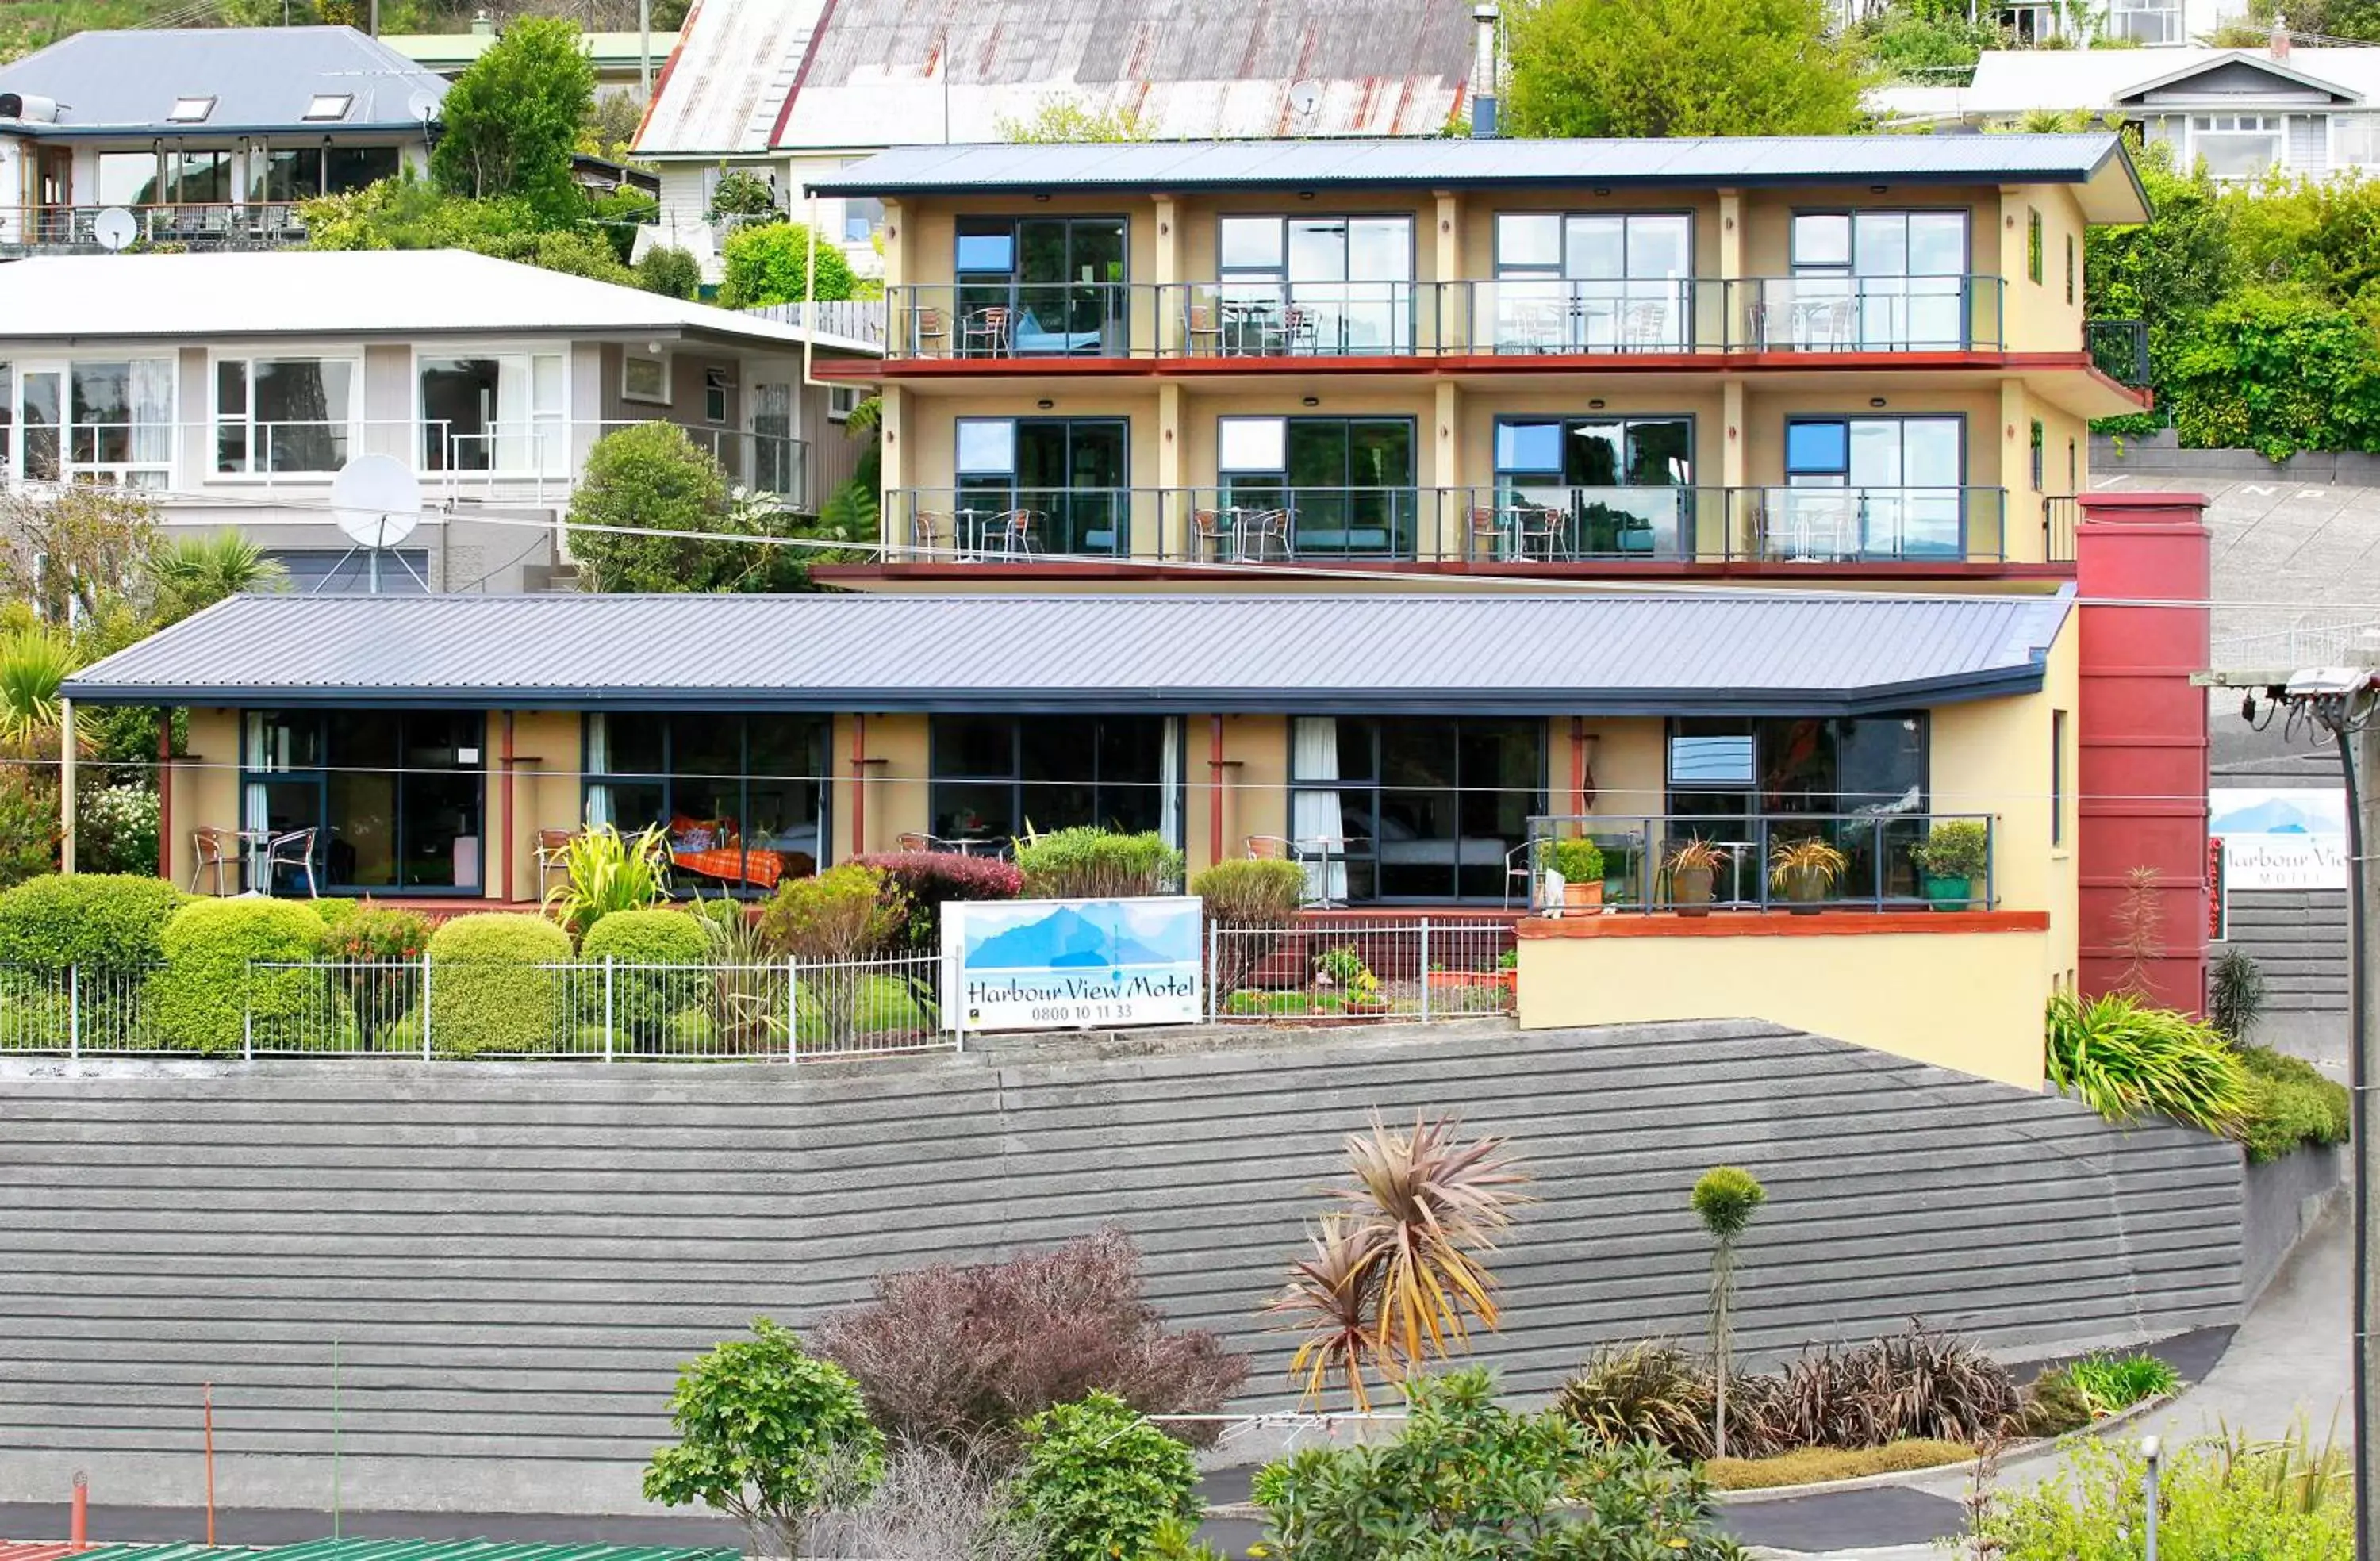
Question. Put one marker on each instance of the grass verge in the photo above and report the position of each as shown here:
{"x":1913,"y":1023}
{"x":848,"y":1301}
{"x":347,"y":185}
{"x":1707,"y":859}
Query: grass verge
{"x":1811,"y":1466}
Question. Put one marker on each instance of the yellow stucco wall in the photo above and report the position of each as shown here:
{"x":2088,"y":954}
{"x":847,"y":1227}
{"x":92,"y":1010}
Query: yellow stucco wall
{"x":1968,"y":1000}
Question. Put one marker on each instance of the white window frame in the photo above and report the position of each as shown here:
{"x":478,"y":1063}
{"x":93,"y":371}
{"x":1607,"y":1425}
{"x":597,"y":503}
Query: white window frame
{"x":211,"y":457}
{"x":2342,"y":126}
{"x":315,"y":114}
{"x":842,"y":401}
{"x":2235,"y":126}
{"x":162,"y":473}
{"x":2170,"y":11}
{"x":631,"y":393}
{"x":562,"y":462}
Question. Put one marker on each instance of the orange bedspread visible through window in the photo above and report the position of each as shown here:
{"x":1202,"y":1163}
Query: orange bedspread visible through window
{"x":762,"y":868}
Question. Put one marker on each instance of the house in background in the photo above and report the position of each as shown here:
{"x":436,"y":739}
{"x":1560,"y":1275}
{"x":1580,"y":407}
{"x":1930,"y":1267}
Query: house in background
{"x":2244,"y":113}
{"x":209,"y":137}
{"x":619,"y":57}
{"x":2147,"y":24}
{"x":792,"y":88}
{"x":235,"y":386}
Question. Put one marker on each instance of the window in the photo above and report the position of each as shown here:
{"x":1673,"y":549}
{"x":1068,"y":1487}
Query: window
{"x":1044,"y":286}
{"x":862,"y":215}
{"x":2069,"y":268}
{"x":2354,"y":140}
{"x":1874,"y":280}
{"x":127,"y":178}
{"x":1585,"y":282}
{"x":285,"y":174}
{"x":500,"y":412}
{"x":2056,"y":777}
{"x":2033,"y":246}
{"x":199,"y":178}
{"x":353,"y":167}
{"x":399,"y":571}
{"x":2040,"y":454}
{"x":2145,"y":22}
{"x":284,"y":413}
{"x":994,"y":777}
{"x":842,"y":401}
{"x":191,"y":110}
{"x":1070,"y":474}
{"x":742,"y":798}
{"x":645,"y":379}
{"x":395,"y":796}
{"x":1864,"y":776}
{"x":1620,"y":486}
{"x":1316,"y":284}
{"x":716,"y":383}
{"x":1412,"y":807}
{"x":1901,"y":478}
{"x":2236,"y":146}
{"x":1345,"y":484}
{"x":328,"y":105}
{"x":89,"y":420}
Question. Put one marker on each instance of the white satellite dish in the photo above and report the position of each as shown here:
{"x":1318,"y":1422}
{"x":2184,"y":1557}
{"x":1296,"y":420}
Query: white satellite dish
{"x":423,"y":106}
{"x":1304,"y":99}
{"x":377,"y":501}
{"x":114,"y":229}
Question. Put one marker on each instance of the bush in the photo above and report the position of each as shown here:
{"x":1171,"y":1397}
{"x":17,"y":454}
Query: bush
{"x":201,"y":998}
{"x":382,"y":946}
{"x":742,"y":193}
{"x":645,"y":1001}
{"x":488,"y":990}
{"x":1957,"y":849}
{"x":95,"y":920}
{"x":604,"y":872}
{"x":1085,"y":864}
{"x":2221,"y":1499}
{"x":2289,"y":1105}
{"x":2235,"y":995}
{"x":116,"y":830}
{"x":2051,"y":1406}
{"x":844,"y":914}
{"x":1578,"y":861}
{"x":671,"y":271}
{"x":959,"y":1356}
{"x":2112,"y":1383}
{"x":28,"y":821}
{"x":2123,"y":1059}
{"x":1251,"y":893}
{"x":1811,"y":1466}
{"x":770,"y":263}
{"x":927,"y":880}
{"x":1483,"y":1481}
{"x":1098,"y":1480}
{"x":1648,"y":1391}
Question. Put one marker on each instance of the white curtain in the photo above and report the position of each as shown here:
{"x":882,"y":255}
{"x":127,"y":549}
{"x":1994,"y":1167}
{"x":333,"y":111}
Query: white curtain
{"x":153,"y":412}
{"x":1315,"y":817}
{"x":512,"y":430}
{"x":253,"y":758}
{"x":1169,"y":783}
{"x":599,"y":762}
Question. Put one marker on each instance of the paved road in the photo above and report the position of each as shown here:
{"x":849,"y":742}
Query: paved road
{"x":115,"y":1525}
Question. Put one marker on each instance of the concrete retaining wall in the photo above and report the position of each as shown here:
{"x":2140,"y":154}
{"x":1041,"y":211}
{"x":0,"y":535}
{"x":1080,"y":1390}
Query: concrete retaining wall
{"x":511,"y":1260}
{"x":2160,"y":454}
{"x":2281,"y":1202}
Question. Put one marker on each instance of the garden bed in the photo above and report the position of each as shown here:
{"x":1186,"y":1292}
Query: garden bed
{"x":1821,"y":1466}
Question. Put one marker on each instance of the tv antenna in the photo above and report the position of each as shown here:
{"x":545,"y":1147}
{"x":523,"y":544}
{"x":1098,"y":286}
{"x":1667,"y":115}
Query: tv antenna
{"x":377,"y":503}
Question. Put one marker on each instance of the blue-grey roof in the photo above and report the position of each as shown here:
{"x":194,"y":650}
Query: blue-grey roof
{"x":2096,"y":160}
{"x":262,"y":80}
{"x":1584,"y":653}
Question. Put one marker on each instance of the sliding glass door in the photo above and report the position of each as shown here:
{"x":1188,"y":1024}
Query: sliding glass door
{"x":1064,"y":481}
{"x":395,"y":798}
{"x":1594,"y":283}
{"x":1316,"y":286}
{"x":1612,"y":487}
{"x":1879,"y":280}
{"x":1413,"y":808}
{"x":1042,"y":286}
{"x":1896,"y":487}
{"x":1343,"y":486}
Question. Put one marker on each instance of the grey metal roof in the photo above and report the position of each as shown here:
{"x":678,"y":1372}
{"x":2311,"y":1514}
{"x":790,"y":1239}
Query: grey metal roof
{"x":261,"y":79}
{"x":2096,"y":160}
{"x":1611,"y":654}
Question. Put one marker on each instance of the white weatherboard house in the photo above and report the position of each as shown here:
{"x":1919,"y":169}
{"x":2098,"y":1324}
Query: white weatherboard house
{"x":235,"y":386}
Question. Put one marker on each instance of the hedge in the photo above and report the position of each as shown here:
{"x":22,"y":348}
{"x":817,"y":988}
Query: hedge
{"x":644,"y":1000}
{"x":1087,"y":864}
{"x":932,"y":879}
{"x":487,"y":992}
{"x":203,"y":997}
{"x":100,"y":921}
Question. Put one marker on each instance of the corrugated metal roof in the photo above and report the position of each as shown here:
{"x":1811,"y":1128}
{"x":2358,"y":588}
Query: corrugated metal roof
{"x":1841,"y":652}
{"x":725,"y":86}
{"x":2018,"y":80}
{"x":19,"y":1551}
{"x":2096,"y":160}
{"x":617,"y":50}
{"x":261,"y":78}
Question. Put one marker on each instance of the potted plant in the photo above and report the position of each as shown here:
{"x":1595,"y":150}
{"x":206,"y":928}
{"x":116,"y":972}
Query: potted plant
{"x":1805,"y":870}
{"x":1346,"y":984}
{"x":1580,"y":863}
{"x":1953,"y":856}
{"x":1693,"y":867}
{"x":1441,"y":979}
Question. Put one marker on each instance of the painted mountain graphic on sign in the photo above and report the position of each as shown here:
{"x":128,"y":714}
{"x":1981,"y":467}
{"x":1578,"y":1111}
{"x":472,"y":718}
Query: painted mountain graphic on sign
{"x":1064,"y":939}
{"x":2272,"y":817}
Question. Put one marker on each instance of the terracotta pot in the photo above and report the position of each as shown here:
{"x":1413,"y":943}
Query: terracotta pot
{"x":1583,"y":896}
{"x":1690,"y":888}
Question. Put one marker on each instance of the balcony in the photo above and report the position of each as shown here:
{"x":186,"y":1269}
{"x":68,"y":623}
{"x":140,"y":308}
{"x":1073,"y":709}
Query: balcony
{"x":2119,"y":349}
{"x":1881,"y":871}
{"x":60,"y":230}
{"x":1523,"y":526}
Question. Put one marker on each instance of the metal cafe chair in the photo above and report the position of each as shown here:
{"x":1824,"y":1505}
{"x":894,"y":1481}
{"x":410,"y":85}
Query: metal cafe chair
{"x":293,"y":848}
{"x":1213,"y":534}
{"x":1011,"y":534}
{"x":552,"y":854}
{"x":212,"y":850}
{"x":928,"y":323}
{"x":1487,"y":535}
{"x":987,"y":332}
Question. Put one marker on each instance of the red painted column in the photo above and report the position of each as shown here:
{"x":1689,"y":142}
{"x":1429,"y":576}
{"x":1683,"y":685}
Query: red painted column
{"x":2140,"y":734}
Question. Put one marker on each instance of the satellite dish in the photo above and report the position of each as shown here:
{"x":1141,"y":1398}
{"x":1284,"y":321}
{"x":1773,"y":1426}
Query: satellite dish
{"x":377,"y":501}
{"x":114,"y":229}
{"x":1305,"y":98}
{"x":422,"y":106}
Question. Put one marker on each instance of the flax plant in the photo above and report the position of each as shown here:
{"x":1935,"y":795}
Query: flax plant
{"x":606,"y":871}
{"x":2123,"y":1059}
{"x":1724,"y":1200}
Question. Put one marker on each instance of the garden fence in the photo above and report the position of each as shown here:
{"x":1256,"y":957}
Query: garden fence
{"x":1352,"y":971}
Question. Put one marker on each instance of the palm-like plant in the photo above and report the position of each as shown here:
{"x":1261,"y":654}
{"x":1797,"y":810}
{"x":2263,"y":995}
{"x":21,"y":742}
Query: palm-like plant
{"x":606,"y":871}
{"x":34,"y":666}
{"x":197,"y":571}
{"x":1724,"y":1200}
{"x":1330,"y":1296}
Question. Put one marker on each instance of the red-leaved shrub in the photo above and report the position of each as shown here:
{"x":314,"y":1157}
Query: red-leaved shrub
{"x":930,"y":880}
{"x":957,"y":1356}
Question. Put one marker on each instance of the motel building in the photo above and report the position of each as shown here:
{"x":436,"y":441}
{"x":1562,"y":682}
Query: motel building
{"x":1402,"y":508}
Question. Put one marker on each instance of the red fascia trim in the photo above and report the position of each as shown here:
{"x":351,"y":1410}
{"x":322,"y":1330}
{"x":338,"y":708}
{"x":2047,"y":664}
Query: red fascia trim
{"x":1755,"y":924}
{"x":1087,"y":570}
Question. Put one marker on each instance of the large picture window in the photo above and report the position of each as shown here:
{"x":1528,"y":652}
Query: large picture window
{"x":1316,"y":284}
{"x":1069,"y":476}
{"x":742,"y":798}
{"x":996,"y":776}
{"x":1861,"y":781}
{"x":394,"y":797}
{"x":91,"y":420}
{"x":1610,"y":487}
{"x":1412,"y":807}
{"x":1875,"y":281}
{"x":1896,"y":487}
{"x":494,"y":412}
{"x":1599,"y":283}
{"x":284,"y":413}
{"x":1040,"y":286}
{"x":1342,"y":486}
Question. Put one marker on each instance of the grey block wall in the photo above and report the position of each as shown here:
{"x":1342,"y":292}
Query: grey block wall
{"x":513,"y":1260}
{"x":2298,"y":939}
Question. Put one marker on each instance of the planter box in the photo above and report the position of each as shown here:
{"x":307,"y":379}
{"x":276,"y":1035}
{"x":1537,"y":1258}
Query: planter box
{"x":1457,"y":980}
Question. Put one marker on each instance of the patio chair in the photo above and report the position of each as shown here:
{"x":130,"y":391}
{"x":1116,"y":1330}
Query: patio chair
{"x":552,"y":856}
{"x":1645,"y":327}
{"x":1263,"y":535}
{"x":1516,"y":870}
{"x":213,"y":849}
{"x":1485,"y":538}
{"x":927,"y":529}
{"x":986,"y":332}
{"x":292,"y":848}
{"x":1011,"y":534}
{"x":1203,"y":324}
{"x":1538,"y":532}
{"x":1298,"y":330}
{"x":928,"y":324}
{"x":1213,"y":533}
{"x":1831,"y":327}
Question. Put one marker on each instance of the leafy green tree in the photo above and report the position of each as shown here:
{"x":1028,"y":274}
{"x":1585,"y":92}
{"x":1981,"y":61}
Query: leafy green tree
{"x":70,"y":553}
{"x":1067,"y":119}
{"x":661,"y":517}
{"x":617,"y":216}
{"x":671,"y":271}
{"x":771,"y":264}
{"x":1681,"y":67}
{"x":1908,"y":45}
{"x":1724,"y":1200}
{"x":1098,"y":1480}
{"x":511,"y":120}
{"x":740,"y":193}
{"x":769,"y":1436}
{"x":2276,"y":371}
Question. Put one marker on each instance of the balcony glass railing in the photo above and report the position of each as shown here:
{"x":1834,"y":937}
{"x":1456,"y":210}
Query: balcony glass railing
{"x":1865,"y":314}
{"x":258,"y":225}
{"x":1282,"y":318}
{"x":1878,"y":840}
{"x":1520,"y":524}
{"x":1571,"y":315}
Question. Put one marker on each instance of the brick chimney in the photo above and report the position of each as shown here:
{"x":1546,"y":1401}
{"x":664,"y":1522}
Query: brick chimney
{"x":2280,"y":43}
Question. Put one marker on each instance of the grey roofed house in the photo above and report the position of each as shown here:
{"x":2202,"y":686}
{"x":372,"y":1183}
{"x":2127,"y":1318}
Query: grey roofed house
{"x":247,"y":78}
{"x":1607,"y":654}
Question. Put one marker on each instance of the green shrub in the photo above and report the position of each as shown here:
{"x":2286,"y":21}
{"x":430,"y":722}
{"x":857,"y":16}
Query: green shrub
{"x":2221,"y":1499}
{"x":770,"y":263}
{"x":94,"y":920}
{"x":202,"y":997}
{"x":381,"y":947}
{"x":2052,"y":1406}
{"x":1087,"y":864}
{"x":1956,"y":849}
{"x":669,"y":271}
{"x":742,"y":193}
{"x":645,"y":1001}
{"x":1251,"y":893}
{"x":2124,"y":1059}
{"x":604,"y":872}
{"x":2110,"y":1383}
{"x":1098,"y":1478}
{"x":116,"y":830}
{"x":1578,"y":861}
{"x":488,"y":990}
{"x":2289,"y":1105}
{"x":830,"y":922}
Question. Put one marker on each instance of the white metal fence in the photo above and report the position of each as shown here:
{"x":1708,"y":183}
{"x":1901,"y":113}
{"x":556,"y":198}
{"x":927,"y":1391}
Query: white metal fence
{"x":1346,"y":971}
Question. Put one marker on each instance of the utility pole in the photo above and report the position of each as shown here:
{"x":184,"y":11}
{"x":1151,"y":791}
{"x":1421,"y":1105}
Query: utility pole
{"x":645,"y":51}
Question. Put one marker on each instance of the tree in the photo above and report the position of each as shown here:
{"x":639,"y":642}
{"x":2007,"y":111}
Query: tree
{"x":616,"y":217}
{"x":671,"y":271}
{"x":511,"y":120}
{"x":1681,"y":67}
{"x":1724,"y":1200}
{"x":75,"y":551}
{"x":192,"y":573}
{"x":673,"y":524}
{"x":768,"y":1435}
{"x":1066,"y":119}
{"x":771,"y":264}
{"x":1098,"y":1478}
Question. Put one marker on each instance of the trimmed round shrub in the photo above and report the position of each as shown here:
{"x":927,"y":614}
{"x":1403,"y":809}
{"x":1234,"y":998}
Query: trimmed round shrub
{"x":1098,"y":1478}
{"x":1089,"y":863}
{"x":644,"y":999}
{"x":490,"y":990}
{"x":208,"y":990}
{"x":113,"y":921}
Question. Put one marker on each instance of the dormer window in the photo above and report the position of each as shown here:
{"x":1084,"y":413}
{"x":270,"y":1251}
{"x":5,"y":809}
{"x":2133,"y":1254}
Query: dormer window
{"x":191,"y":111}
{"x":329,"y":105}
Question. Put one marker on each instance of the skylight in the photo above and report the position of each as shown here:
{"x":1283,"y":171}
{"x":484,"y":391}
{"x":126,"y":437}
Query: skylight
{"x":329,"y":105}
{"x":191,"y":110}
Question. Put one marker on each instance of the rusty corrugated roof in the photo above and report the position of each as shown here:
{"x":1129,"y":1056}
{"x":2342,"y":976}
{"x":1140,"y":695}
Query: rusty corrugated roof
{"x":48,"y":1550}
{"x":725,"y":85}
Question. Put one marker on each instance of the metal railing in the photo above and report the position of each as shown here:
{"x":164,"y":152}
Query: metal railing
{"x":1354,"y":972}
{"x":2119,"y":349}
{"x":1518,"y":523}
{"x":2059,"y":515}
{"x":256,"y":224}
{"x":1865,"y":314}
{"x":1881,"y":869}
{"x":1254,"y":317}
{"x":857,"y":319}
